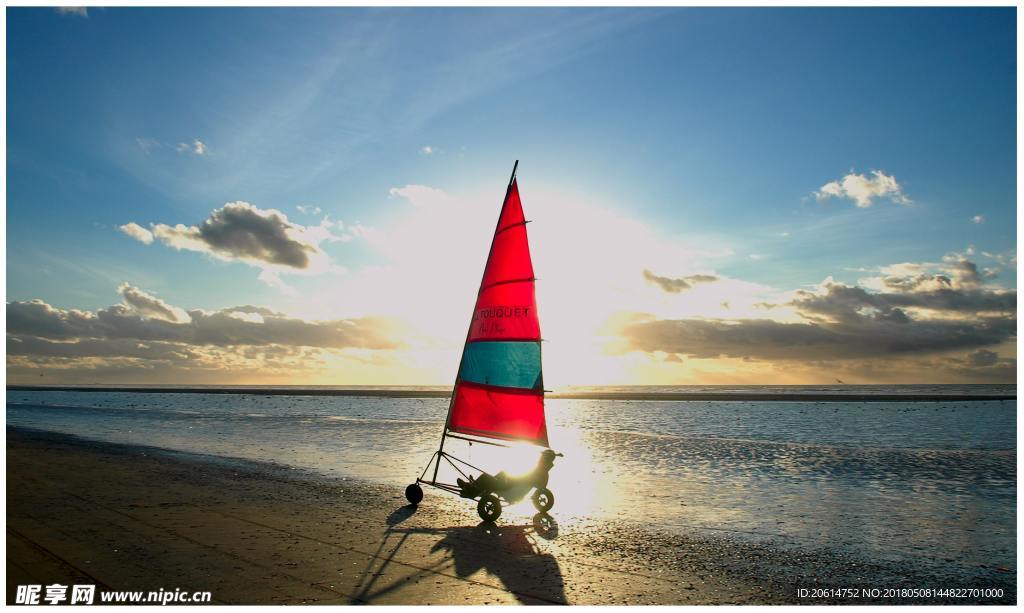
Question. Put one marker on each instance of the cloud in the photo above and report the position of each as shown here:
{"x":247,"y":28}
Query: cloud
{"x":77,"y":11}
{"x":150,"y":306}
{"x":983,"y":358}
{"x":978,"y":219}
{"x":308,"y":210}
{"x":674,"y":286}
{"x":139,"y":319}
{"x":840,"y":302}
{"x":196,"y":147}
{"x":423,"y":196}
{"x":919,"y":315}
{"x":864,"y":190}
{"x":274,"y":280}
{"x":427,"y":150}
{"x":147,"y":144}
{"x":1008,"y":259}
{"x":877,"y":336}
{"x":756,"y":256}
{"x":241,"y":232}
{"x":954,"y":272}
{"x":35,"y":327}
{"x":137,"y":232}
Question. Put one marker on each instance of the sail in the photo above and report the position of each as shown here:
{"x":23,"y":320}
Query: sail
{"x":499,"y":390}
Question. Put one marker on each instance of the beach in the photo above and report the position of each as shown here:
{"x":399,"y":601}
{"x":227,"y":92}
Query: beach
{"x":135,"y":517}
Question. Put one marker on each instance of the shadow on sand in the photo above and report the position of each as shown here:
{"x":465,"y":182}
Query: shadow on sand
{"x":508,"y":553}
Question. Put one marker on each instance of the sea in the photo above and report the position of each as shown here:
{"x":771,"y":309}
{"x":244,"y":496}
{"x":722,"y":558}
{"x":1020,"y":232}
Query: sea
{"x":899,"y":480}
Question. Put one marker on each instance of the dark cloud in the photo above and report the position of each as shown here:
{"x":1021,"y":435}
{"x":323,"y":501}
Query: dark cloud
{"x":920,"y":315}
{"x":965,"y":273}
{"x":97,"y":348}
{"x":142,"y":321}
{"x":958,"y":273}
{"x":765,"y":339}
{"x":983,"y":357}
{"x":90,"y":361}
{"x":241,"y":231}
{"x":917,"y":283}
{"x":674,"y":286}
{"x":845,"y":303}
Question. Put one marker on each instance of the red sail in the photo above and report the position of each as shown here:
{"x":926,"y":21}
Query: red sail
{"x":499,"y":391}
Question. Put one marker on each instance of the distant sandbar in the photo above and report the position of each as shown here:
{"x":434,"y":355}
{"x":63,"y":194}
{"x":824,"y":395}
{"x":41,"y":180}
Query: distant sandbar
{"x":724,"y":396}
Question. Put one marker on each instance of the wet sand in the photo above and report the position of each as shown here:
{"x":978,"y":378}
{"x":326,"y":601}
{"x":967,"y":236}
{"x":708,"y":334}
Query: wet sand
{"x":139,"y":518}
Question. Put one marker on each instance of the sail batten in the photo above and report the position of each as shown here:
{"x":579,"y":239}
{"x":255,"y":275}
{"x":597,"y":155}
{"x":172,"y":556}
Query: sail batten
{"x":523,"y":280}
{"x":499,"y":389}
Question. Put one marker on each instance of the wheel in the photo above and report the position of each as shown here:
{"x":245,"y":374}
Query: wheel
{"x":543,"y":499}
{"x":414,"y":493}
{"x":489,"y":507}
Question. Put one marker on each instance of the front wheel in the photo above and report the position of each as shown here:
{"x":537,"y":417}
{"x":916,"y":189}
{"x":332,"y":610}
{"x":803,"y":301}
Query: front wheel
{"x":414,"y":493}
{"x":543,"y":499}
{"x":489,"y":507}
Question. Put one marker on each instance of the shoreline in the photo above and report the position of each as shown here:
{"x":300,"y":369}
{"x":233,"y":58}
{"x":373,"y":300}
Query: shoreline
{"x":591,"y":395}
{"x":134,"y":517}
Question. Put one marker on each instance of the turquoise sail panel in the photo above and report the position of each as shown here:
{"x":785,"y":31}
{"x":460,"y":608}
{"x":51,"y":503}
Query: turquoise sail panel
{"x":503,"y":363}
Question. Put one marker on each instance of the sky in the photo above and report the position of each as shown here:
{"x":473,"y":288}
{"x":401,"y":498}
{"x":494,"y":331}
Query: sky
{"x":717,"y":196}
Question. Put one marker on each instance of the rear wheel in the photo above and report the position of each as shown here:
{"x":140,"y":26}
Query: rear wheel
{"x":543,"y":499}
{"x":414,"y":493}
{"x":489,"y":507}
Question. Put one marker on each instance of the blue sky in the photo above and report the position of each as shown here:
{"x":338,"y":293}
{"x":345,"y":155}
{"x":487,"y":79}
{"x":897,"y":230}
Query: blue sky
{"x":714,"y":128}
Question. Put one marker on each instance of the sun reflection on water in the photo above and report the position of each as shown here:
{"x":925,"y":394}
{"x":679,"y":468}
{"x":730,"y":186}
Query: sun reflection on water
{"x":576,"y":481}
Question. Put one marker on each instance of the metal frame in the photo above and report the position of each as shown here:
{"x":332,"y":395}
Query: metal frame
{"x":453,"y":462}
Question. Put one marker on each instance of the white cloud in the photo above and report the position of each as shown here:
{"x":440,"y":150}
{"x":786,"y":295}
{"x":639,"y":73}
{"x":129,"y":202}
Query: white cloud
{"x":978,"y":219}
{"x":77,"y":11}
{"x":137,"y":232}
{"x":427,"y":150}
{"x":422,"y":196}
{"x":147,"y":144}
{"x":273,"y":279}
{"x":150,"y":306}
{"x":864,"y":190}
{"x":1008,"y":258}
{"x":308,"y":210}
{"x":252,"y":317}
{"x":756,"y":256}
{"x":196,"y":147}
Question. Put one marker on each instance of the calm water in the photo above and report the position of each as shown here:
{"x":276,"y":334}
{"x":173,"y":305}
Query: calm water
{"x":932,"y":481}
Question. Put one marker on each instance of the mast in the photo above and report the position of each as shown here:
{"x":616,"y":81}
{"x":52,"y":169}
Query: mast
{"x":469,"y":330}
